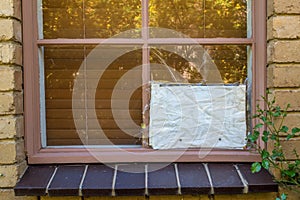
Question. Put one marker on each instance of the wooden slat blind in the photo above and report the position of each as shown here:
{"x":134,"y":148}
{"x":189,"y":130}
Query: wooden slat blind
{"x":61,"y":67}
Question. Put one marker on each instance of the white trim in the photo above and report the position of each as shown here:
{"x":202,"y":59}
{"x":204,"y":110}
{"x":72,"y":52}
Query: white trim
{"x":41,"y":75}
{"x":177,"y":178}
{"x":113,"y":192}
{"x":146,"y":180}
{"x":249,"y":91}
{"x":51,"y":179}
{"x":82,"y":180}
{"x":244,"y":181}
{"x":42,"y":98}
{"x":40,"y":19}
{"x":249,"y":19}
{"x":212,"y":191}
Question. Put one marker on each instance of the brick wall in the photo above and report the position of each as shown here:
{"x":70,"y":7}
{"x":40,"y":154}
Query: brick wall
{"x":284,"y":58}
{"x":12,"y":156}
{"x":283,"y":35}
{"x":283,"y":77}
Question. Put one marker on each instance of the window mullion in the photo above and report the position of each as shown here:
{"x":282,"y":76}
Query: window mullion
{"x":145,"y":71}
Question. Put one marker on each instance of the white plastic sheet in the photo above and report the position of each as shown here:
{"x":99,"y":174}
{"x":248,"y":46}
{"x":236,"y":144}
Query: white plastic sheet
{"x":187,"y":116}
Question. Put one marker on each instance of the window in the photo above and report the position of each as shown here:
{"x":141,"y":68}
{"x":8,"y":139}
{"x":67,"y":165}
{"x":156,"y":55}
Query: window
{"x":89,"y":67}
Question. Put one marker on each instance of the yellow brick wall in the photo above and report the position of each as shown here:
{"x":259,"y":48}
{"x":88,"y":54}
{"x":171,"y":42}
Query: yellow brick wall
{"x":283,"y":69}
{"x":12,"y":156}
{"x":283,"y":34}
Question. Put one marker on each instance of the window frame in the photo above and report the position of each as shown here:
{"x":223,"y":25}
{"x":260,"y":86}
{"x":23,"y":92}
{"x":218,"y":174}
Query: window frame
{"x":37,"y":154}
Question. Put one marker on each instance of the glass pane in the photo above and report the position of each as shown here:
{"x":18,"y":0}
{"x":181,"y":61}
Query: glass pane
{"x":231,"y":61}
{"x":81,"y":94}
{"x":201,"y":19}
{"x":195,"y":115}
{"x":199,"y":64}
{"x":89,"y":18}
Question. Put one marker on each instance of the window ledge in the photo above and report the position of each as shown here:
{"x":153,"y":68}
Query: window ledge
{"x":151,"y":179}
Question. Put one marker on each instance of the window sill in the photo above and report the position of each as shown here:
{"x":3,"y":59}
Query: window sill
{"x":153,"y":179}
{"x":114,"y":155}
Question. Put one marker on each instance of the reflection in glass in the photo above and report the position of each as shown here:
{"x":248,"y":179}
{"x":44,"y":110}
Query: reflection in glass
{"x":89,"y":18}
{"x":210,"y":64}
{"x":106,"y":18}
{"x":200,"y":19}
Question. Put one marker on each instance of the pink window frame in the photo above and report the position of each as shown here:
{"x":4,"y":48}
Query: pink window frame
{"x":37,"y":154}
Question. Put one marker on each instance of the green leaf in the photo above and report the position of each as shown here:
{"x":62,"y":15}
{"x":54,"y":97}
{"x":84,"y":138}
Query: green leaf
{"x":251,"y":138}
{"x":263,"y":118}
{"x":255,"y":167}
{"x":264,"y":154}
{"x":273,"y":136}
{"x":258,"y":126}
{"x":265,"y":163}
{"x":290,"y":173}
{"x":283,"y":196}
{"x":265,"y":138}
{"x":256,"y":116}
{"x":272,"y":101}
{"x":276,"y":154}
{"x":266,"y":133}
{"x":254,"y":136}
{"x":277,"y":108}
{"x":289,"y":136}
{"x":284,"y":129}
{"x":295,"y":130}
{"x":276,"y":114}
{"x":291,"y":166}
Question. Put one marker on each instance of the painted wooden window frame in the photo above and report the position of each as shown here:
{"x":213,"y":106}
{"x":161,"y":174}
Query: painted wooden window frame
{"x":37,"y":154}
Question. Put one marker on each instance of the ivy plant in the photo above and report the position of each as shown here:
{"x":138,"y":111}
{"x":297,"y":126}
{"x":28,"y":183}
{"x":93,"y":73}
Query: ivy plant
{"x":270,"y":129}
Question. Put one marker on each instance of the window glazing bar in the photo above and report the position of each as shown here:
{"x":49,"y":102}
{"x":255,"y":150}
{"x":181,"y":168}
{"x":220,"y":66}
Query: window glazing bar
{"x":151,"y":41}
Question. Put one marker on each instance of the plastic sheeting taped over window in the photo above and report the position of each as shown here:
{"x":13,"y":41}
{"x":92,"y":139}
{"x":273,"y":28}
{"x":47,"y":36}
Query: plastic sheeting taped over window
{"x":191,"y":115}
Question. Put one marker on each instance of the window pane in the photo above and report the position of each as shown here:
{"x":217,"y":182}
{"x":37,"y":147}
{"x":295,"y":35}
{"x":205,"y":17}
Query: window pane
{"x":231,"y":61}
{"x":196,"y":115}
{"x":64,"y":65}
{"x":194,"y":64}
{"x":201,"y":19}
{"x":103,"y":19}
{"x":89,"y":18}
